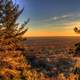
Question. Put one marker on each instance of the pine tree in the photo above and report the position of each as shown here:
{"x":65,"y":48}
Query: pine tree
{"x":77,"y":45}
{"x":12,"y":61}
{"x":75,"y":51}
{"x":10,"y":31}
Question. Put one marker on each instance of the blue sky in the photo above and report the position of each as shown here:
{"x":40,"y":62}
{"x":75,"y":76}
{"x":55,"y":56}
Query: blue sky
{"x":51,"y":17}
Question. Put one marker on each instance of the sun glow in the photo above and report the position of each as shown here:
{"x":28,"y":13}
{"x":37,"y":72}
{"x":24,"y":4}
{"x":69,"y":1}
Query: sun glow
{"x":67,"y":30}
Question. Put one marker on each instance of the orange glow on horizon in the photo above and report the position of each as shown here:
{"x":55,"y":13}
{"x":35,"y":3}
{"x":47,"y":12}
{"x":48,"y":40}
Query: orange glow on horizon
{"x":38,"y":33}
{"x":65,"y":30}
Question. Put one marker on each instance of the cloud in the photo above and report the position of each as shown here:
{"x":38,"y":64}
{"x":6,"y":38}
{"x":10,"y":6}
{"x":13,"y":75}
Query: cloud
{"x":65,"y":16}
{"x":59,"y":17}
{"x":62,"y":17}
{"x":54,"y":18}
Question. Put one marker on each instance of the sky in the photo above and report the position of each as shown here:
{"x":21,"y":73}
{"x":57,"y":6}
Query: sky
{"x":50,"y":17}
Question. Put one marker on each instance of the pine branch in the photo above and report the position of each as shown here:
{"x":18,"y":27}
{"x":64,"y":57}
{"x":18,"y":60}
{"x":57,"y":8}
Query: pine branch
{"x":10,"y":30}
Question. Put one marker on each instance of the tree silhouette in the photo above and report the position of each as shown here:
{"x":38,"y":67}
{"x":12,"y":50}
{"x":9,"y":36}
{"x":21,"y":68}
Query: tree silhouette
{"x":77,"y":30}
{"x":10,"y":31}
{"x":12,"y":60}
{"x":77,"y":45}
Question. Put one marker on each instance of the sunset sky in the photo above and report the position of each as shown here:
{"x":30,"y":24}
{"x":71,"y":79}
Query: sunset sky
{"x":50,"y":17}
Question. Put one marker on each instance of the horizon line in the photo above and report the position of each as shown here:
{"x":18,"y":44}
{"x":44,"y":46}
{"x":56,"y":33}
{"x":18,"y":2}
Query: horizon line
{"x":52,"y":36}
